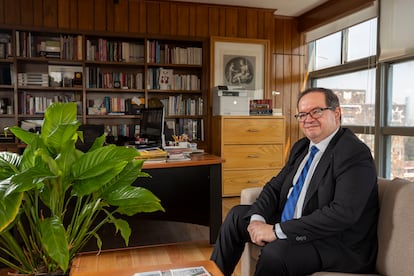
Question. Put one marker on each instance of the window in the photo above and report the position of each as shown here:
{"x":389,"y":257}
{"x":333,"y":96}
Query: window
{"x":362,"y":40}
{"x":399,"y":119}
{"x":328,"y":51}
{"x":356,"y":92}
{"x":401,"y":93}
{"x":343,"y":62}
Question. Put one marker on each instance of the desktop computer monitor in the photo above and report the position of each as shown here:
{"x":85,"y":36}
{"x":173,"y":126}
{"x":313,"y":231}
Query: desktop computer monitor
{"x":90,"y":133}
{"x":152,"y":126}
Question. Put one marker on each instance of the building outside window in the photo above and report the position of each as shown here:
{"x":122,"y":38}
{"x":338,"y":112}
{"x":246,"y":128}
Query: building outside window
{"x":345,"y":62}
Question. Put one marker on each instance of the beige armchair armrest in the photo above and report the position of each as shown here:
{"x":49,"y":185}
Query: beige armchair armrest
{"x":249,"y":195}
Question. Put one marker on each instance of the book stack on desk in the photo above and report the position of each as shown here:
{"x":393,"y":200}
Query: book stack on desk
{"x":177,"y":157}
{"x":153,"y":155}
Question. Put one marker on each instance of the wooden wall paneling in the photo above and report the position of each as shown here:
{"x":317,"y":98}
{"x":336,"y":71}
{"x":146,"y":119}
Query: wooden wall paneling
{"x":279,"y":43}
{"x":153,"y":15}
{"x":222,"y":22}
{"x":192,"y":21}
{"x":110,"y":21}
{"x":26,"y":12}
{"x":133,"y":17}
{"x":231,"y":19}
{"x":287,"y":38}
{"x":202,"y":21}
{"x":261,"y":25}
{"x":165,"y":18}
{"x":269,"y":25}
{"x":2,"y":12}
{"x":86,"y":20}
{"x":73,"y":15}
{"x":99,"y":15}
{"x":50,"y":13}
{"x":296,"y":41}
{"x":38,"y":13}
{"x":252,"y":23}
{"x":183,"y":20}
{"x":142,"y":17}
{"x":173,"y":21}
{"x":242,"y":22}
{"x":11,"y":12}
{"x":213,"y":21}
{"x":121,"y":16}
{"x":64,"y":13}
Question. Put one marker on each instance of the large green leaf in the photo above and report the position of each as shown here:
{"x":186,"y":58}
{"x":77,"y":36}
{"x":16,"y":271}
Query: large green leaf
{"x":26,"y":136}
{"x":93,"y":184}
{"x":9,"y":164}
{"x":29,"y":179}
{"x":60,"y":125}
{"x":126,"y":178}
{"x":122,"y":226}
{"x":133,"y":200}
{"x":9,"y":205}
{"x":54,"y":241}
{"x":94,"y":163}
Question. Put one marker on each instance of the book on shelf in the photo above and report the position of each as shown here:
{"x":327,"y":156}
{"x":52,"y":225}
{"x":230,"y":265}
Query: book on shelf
{"x":31,"y":78}
{"x":187,"y":271}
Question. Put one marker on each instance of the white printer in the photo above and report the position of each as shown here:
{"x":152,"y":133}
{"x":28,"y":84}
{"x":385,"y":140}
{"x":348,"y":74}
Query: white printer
{"x":230,"y":101}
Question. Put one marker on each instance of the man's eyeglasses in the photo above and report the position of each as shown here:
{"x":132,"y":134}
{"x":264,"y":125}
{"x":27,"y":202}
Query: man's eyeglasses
{"x":314,"y":113}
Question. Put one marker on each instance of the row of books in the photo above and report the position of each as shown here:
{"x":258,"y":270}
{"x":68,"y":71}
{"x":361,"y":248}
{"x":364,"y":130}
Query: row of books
{"x":193,"y":128}
{"x":5,"y":46}
{"x":261,"y":107}
{"x":126,"y":130}
{"x":67,"y":47}
{"x":167,"y":54}
{"x":31,"y":105}
{"x":32,"y":78}
{"x":179,"y":105}
{"x":96,"y":78}
{"x":113,"y":106}
{"x":166,"y":79}
{"x":117,"y":51}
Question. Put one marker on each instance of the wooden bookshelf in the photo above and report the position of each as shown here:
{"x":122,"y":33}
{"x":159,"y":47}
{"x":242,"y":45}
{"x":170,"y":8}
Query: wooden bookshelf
{"x":110,"y":76}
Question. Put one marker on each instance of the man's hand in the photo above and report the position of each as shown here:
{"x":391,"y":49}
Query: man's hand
{"x":261,"y":233}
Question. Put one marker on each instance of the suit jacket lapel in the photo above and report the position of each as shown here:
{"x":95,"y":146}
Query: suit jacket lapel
{"x":323,"y":165}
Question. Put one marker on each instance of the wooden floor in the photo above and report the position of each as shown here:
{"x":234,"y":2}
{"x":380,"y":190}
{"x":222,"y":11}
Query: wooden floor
{"x":195,"y":239}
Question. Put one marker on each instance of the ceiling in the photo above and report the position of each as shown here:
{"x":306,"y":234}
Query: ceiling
{"x":282,"y":7}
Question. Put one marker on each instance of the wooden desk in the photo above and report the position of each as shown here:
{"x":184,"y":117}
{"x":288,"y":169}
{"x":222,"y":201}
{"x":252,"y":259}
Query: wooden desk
{"x":128,"y":261}
{"x":190,"y":191}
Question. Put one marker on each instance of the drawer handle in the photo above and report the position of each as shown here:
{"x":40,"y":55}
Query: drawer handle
{"x":252,"y":156}
{"x":253,"y":130}
{"x":253,"y":181}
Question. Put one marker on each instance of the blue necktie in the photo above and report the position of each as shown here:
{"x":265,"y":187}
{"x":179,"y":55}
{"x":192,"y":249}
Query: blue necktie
{"x":290,"y":205}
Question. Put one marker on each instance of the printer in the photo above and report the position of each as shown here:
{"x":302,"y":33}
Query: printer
{"x":229,"y":100}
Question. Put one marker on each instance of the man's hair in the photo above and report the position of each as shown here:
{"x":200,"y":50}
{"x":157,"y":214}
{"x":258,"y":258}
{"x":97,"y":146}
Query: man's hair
{"x":331,"y":99}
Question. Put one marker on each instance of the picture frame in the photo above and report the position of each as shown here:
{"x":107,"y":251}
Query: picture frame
{"x":241,"y":62}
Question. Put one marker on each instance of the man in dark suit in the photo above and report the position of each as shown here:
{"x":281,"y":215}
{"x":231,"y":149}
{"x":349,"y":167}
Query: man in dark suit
{"x":332,"y":224}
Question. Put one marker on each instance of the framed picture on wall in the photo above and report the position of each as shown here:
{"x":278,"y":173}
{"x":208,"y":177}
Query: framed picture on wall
{"x":240,"y":62}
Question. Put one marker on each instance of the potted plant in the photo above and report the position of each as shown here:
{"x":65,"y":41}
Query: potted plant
{"x":54,"y":198}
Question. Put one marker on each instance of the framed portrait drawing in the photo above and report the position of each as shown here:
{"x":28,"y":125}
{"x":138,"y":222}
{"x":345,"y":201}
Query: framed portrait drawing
{"x":240,"y":62}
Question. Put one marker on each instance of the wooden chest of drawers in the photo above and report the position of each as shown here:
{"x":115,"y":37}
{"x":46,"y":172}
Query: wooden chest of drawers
{"x":252,"y":148}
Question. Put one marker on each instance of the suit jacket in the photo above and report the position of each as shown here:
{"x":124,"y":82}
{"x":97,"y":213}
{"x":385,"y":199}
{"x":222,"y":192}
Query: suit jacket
{"x":340,"y":211}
